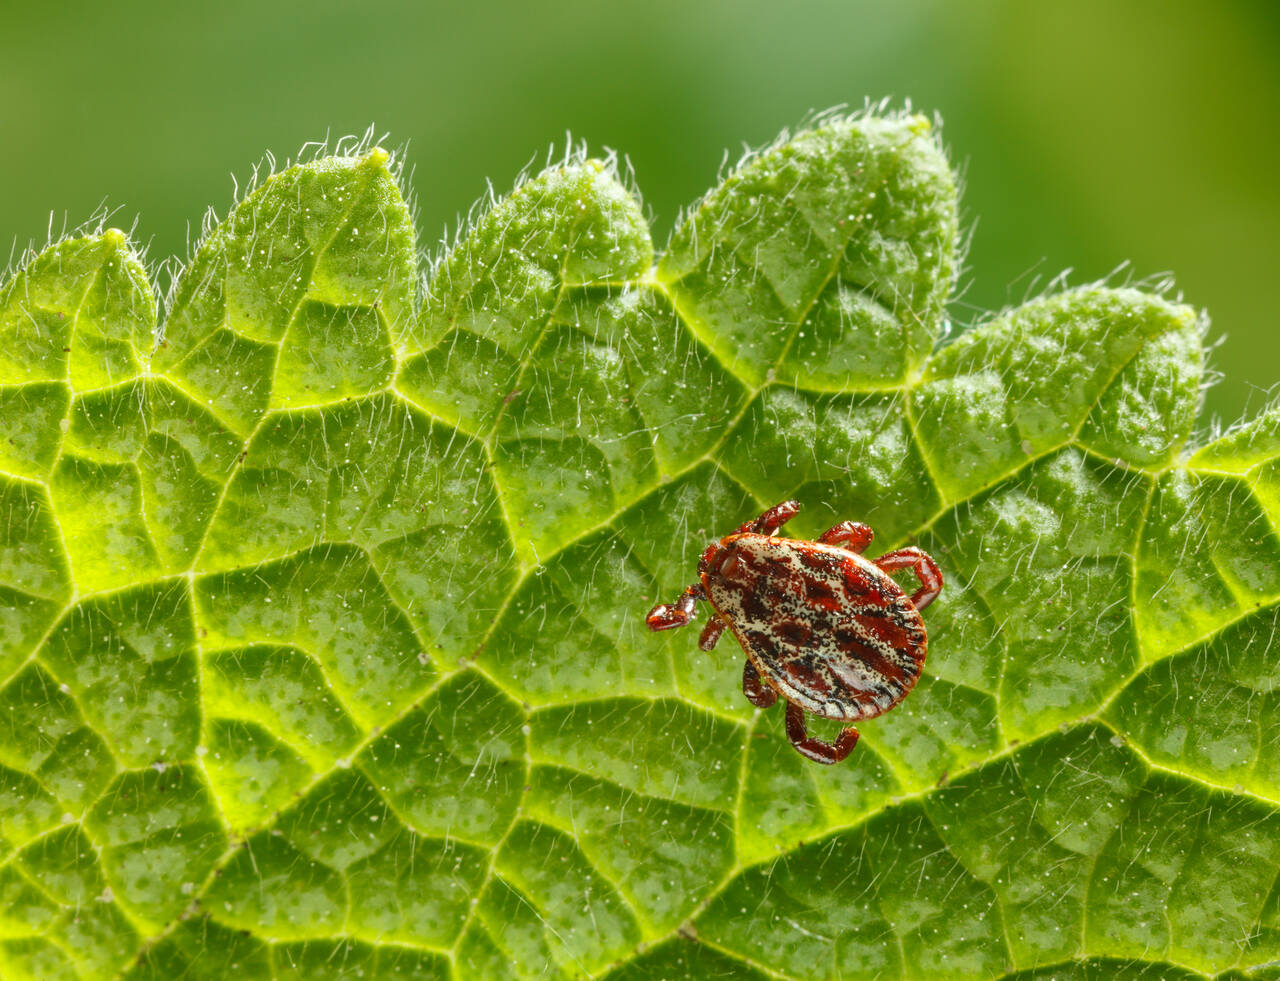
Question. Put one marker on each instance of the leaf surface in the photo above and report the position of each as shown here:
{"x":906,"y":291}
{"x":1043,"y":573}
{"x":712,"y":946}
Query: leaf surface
{"x":322,"y":650}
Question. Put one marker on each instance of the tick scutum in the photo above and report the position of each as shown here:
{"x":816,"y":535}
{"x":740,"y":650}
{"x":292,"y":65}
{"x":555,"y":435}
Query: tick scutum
{"x":823,"y":626}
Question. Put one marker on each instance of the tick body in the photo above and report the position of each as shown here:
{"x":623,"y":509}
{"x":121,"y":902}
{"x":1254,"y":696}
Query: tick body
{"x":823,"y":627}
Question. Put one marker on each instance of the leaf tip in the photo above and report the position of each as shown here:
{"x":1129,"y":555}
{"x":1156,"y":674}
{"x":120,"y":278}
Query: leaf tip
{"x":377,"y":158}
{"x":919,"y":125}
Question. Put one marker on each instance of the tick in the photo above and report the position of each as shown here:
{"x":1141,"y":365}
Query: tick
{"x":823,"y":627}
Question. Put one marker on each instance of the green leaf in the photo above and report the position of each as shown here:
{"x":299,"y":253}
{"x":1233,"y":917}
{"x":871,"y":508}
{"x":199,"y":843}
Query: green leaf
{"x":322,"y":650}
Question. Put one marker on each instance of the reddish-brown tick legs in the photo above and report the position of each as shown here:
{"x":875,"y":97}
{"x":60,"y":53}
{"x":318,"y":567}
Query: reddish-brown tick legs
{"x":758,"y":693}
{"x":773,"y":519}
{"x":816,"y":749}
{"x":855,"y":534}
{"x":711,"y":632}
{"x":664,"y":616}
{"x":925,"y":568}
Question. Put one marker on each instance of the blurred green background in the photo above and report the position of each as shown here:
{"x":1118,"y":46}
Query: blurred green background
{"x":1089,"y":134}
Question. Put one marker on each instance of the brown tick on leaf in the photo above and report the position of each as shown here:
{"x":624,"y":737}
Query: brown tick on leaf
{"x":823,"y":627}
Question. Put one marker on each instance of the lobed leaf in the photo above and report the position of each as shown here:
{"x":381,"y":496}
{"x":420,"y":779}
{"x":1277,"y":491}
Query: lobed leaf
{"x":321,"y":639}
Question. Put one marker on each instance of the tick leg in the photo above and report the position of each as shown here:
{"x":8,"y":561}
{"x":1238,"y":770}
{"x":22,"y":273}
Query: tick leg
{"x":925,"y":568}
{"x":816,"y":749}
{"x":711,"y":632}
{"x":664,"y":616}
{"x":773,"y":519}
{"x":857,"y":535}
{"x":758,"y":693}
